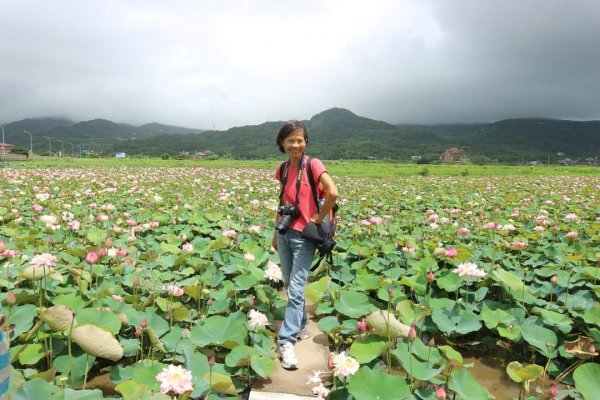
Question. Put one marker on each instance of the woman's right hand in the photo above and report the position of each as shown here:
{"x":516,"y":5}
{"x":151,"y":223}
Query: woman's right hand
{"x":274,"y":241}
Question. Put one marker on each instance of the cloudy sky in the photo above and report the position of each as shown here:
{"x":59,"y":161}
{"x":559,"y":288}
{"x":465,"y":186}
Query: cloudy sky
{"x":206,"y":64}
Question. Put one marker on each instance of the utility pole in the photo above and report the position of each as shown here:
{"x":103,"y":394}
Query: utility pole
{"x":50,"y":142}
{"x":30,"y":142}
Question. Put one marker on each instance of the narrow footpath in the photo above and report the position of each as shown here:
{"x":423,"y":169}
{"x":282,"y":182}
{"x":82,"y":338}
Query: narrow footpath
{"x":312,"y":354}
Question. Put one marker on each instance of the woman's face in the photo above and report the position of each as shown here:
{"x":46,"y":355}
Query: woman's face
{"x":294,"y":144}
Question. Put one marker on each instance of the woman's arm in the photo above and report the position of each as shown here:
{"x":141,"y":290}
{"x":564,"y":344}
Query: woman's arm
{"x":331,"y":194}
{"x":274,"y":240}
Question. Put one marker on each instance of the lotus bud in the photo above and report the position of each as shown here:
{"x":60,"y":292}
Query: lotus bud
{"x":92,"y":257}
{"x":144,"y":323}
{"x":554,"y":279}
{"x":330,"y":363}
{"x":211,"y":361}
{"x":391,"y":293}
{"x":51,"y":241}
{"x":12,"y":299}
{"x":108,"y":242}
{"x":138,"y":331}
{"x":431,"y":342}
{"x":430,"y":277}
{"x":440,"y":393}
{"x":102,"y":252}
{"x":136,"y":282}
{"x":362,"y":325}
{"x":592,"y":348}
{"x":553,"y":391}
{"x":412,"y":333}
{"x":451,"y":253}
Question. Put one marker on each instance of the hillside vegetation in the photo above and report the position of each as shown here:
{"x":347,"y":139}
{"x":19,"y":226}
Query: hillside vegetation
{"x":334,"y":134}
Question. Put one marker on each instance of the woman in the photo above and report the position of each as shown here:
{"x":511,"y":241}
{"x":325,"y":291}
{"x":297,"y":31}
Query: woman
{"x":296,"y":254}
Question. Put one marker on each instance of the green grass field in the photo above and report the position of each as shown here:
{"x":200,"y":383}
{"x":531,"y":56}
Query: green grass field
{"x":335,"y":167}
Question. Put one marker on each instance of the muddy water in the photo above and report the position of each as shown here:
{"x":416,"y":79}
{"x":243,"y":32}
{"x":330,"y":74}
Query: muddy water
{"x":490,"y":372}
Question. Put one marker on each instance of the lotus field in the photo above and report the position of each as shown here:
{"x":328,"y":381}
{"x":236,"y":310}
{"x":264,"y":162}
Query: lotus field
{"x":162,"y":281}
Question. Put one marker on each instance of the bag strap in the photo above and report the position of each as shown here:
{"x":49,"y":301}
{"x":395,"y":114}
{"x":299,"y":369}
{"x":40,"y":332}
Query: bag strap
{"x":311,"y":181}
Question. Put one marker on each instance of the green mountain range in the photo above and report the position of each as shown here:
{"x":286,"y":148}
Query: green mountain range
{"x":333,"y":134}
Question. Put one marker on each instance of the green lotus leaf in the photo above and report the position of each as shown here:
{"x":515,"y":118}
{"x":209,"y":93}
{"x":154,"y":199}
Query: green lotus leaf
{"x":219,"y":331}
{"x":592,"y":316}
{"x":523,"y":372}
{"x":541,"y":338}
{"x":554,"y":319}
{"x":367,"y":349}
{"x":96,"y":236}
{"x":421,"y":370}
{"x":97,"y":342}
{"x":134,"y":390}
{"x":107,"y":320}
{"x":170,"y":248}
{"x":71,"y":300}
{"x":514,"y":285}
{"x":452,"y":354}
{"x":353,"y":304}
{"x":465,"y":385}
{"x":315,"y":291}
{"x":491,"y":318}
{"x":221,"y":383}
{"x":263,"y":366}
{"x":22,"y":316}
{"x":406,"y":311}
{"x":31,"y":354}
{"x":586,"y":378}
{"x":240,"y":356}
{"x":376,"y":385}
{"x":145,"y":372}
{"x":36,"y":389}
{"x":511,"y":331}
{"x":59,"y":317}
{"x":449,"y":281}
{"x":327,"y":324}
{"x":383,"y":323}
{"x":455,"y":320}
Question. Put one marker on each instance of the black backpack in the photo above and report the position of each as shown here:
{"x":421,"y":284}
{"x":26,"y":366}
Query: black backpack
{"x":326,"y":229}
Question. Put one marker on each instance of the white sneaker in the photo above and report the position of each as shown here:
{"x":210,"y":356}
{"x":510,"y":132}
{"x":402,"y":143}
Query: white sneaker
{"x":287,"y":354}
{"x":303,"y":334}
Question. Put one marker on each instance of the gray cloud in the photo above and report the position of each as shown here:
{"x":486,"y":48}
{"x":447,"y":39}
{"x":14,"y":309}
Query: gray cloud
{"x":204,"y":64}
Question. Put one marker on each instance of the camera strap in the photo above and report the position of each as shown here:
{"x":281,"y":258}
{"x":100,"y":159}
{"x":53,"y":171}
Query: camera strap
{"x":286,"y":166}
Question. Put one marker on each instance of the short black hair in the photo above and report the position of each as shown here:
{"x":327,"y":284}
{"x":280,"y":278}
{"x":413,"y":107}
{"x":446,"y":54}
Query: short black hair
{"x":287,"y":129}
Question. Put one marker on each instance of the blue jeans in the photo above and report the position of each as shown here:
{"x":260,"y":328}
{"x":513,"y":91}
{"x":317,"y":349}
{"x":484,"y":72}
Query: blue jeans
{"x":296,"y":255}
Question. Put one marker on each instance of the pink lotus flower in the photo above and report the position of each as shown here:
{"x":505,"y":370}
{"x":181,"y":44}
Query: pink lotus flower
{"x":376,"y":220}
{"x":362,"y":325}
{"x":519,"y":245}
{"x":463,"y":231}
{"x":430,"y":277}
{"x":344,"y":365}
{"x":249,"y":257}
{"x":440,"y":393}
{"x":37,"y":208}
{"x":92,"y":257}
{"x":229,"y":233}
{"x":11,"y":298}
{"x":74,"y":225}
{"x":320,"y":391}
{"x":451,"y":253}
{"x":154,"y":224}
{"x":174,"y":290}
{"x":43,"y":260}
{"x":175,"y":379}
{"x":117,"y":297}
{"x":8,"y":253}
{"x":257,"y":319}
{"x":554,"y":279}
{"x":572,"y":235}
{"x":187,"y":248}
{"x":491,"y":226}
{"x":553,"y":391}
